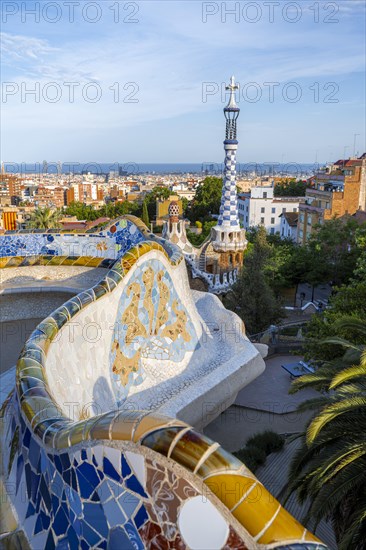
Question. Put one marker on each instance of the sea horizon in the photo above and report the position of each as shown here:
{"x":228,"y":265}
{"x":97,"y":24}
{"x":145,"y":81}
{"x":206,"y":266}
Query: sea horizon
{"x":174,"y":168}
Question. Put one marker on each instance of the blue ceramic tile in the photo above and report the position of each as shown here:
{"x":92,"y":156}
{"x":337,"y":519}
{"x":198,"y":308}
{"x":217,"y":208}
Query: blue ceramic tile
{"x":134,"y":485}
{"x":119,"y":540}
{"x":141,"y":517}
{"x":60,"y":523}
{"x":110,"y":471}
{"x":94,"y":516}
{"x":126,"y":470}
{"x":90,"y":535}
{"x":128,"y":503}
{"x":133,"y":536}
{"x":113,"y":513}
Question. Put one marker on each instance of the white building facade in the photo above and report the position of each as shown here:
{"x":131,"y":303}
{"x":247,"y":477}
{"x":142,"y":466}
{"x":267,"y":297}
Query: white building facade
{"x":260,"y":207}
{"x":289,"y":225}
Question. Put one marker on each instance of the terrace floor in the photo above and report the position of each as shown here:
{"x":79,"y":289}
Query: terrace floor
{"x":264,"y":404}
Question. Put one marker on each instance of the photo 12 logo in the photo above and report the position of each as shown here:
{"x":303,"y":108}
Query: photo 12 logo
{"x":270,"y":12}
{"x":70,"y":11}
{"x":290,"y":92}
{"x":54,"y":92}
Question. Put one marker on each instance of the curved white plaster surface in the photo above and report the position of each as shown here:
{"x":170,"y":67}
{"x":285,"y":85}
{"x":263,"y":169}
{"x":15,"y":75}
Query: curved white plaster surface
{"x":201,"y":525}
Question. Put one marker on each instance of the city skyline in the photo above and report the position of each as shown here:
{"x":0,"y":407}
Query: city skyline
{"x":161,"y":81}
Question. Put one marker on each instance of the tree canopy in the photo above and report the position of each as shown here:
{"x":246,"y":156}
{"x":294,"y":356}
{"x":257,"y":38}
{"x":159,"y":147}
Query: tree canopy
{"x":207,"y":200}
{"x":45,"y":218}
{"x":252,"y":297}
{"x":290,"y":188}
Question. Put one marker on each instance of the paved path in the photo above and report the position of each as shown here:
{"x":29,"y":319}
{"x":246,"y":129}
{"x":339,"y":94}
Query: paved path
{"x":262,"y":405}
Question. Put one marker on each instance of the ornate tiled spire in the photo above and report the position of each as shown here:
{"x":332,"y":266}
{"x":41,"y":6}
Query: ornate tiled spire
{"x":229,"y":205}
{"x":227,"y":236}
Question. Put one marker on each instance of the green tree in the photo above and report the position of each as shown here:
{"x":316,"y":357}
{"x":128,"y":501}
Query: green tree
{"x":290,"y":188}
{"x":329,"y":469}
{"x":145,"y":214}
{"x":333,"y":251}
{"x":158,"y":192}
{"x":252,"y":297}
{"x":206,"y":201}
{"x":196,"y":239}
{"x":348,"y":301}
{"x":45,"y":218}
{"x":82,"y":211}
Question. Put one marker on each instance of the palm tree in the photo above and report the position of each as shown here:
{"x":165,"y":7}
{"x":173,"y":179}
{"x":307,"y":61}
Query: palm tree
{"x":329,"y":468}
{"x":45,"y":218}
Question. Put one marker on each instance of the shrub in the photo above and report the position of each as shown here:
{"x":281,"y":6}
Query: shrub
{"x":267,"y":441}
{"x":252,"y":457}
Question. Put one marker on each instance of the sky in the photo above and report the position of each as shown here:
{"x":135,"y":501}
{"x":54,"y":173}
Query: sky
{"x":145,"y":81}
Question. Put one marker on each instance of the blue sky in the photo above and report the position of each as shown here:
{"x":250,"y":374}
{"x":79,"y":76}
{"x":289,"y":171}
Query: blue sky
{"x":164,"y":61}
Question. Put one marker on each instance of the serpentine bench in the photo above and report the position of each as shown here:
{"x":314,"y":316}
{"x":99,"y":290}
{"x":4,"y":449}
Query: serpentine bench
{"x":97,"y":452}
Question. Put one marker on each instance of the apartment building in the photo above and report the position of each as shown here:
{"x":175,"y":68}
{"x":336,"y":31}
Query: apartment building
{"x":261,"y":207}
{"x":338,"y":190}
{"x":288,"y":229}
{"x":84,"y":192}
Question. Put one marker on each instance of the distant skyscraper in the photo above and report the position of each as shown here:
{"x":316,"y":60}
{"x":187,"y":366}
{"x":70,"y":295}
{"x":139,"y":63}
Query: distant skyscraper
{"x":45,"y":167}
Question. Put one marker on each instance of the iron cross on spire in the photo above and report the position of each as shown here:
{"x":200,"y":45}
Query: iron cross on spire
{"x":232,"y":87}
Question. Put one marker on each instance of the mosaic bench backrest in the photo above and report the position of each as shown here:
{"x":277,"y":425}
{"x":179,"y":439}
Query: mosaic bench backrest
{"x":115,"y":337}
{"x":111,"y":242}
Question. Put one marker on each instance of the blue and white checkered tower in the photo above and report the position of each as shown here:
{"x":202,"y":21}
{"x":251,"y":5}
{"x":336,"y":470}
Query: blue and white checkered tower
{"x":227,"y":234}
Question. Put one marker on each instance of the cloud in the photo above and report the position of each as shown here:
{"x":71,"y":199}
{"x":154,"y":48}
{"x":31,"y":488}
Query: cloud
{"x":24,"y":48}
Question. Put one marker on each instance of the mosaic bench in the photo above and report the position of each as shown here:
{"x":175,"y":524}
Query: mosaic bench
{"x":84,"y":465}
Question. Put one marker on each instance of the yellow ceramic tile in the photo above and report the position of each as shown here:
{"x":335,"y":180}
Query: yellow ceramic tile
{"x":123,"y":426}
{"x":26,"y":363}
{"x":284,"y":527}
{"x":34,"y":405}
{"x":56,"y":260}
{"x":153,"y":422}
{"x":310,"y":537}
{"x":257,"y":510}
{"x":49,"y":328}
{"x":61,"y":440}
{"x":219,"y":461}
{"x":189,"y":449}
{"x":101,"y":428}
{"x":94,"y":261}
{"x":230,"y":488}
{"x":76,"y":433}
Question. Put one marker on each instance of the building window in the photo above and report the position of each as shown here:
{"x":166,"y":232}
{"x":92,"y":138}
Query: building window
{"x":272,"y":230}
{"x":283,"y":210}
{"x":273,"y":210}
{"x":309,"y":219}
{"x":262,"y":221}
{"x":302,"y":218}
{"x":301,"y":234}
{"x":294,"y":209}
{"x":272,"y":221}
{"x":246,"y":219}
{"x":263,"y":210}
{"x":265,"y":194}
